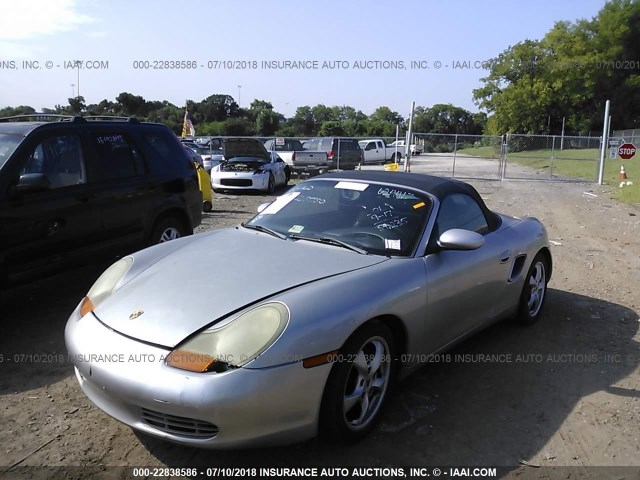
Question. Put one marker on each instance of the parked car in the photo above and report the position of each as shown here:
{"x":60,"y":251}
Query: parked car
{"x":248,"y":166}
{"x":414,"y":148}
{"x":205,"y":154}
{"x":322,"y":154}
{"x":343,"y":284}
{"x":375,"y":150}
{"x":211,"y":150}
{"x":72,"y":188}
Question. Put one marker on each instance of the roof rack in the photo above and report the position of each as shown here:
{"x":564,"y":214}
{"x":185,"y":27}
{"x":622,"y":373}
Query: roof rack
{"x":39,"y":117}
{"x":53,"y":117}
{"x":111,"y":118}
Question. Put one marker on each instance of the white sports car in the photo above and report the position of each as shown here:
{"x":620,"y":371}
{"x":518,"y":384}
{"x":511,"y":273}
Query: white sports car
{"x":247,"y":165}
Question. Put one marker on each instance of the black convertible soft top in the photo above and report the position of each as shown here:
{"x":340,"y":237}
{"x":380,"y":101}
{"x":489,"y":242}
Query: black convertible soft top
{"x":439,"y":187}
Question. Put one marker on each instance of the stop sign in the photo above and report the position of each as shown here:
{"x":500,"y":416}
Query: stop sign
{"x":627,"y":150}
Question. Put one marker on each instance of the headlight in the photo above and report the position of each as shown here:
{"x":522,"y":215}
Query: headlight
{"x":260,"y":171}
{"x":235,"y":343}
{"x":104,"y":286}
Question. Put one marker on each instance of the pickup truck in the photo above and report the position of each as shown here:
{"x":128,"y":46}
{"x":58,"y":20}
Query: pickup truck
{"x":328,"y":153}
{"x":376,"y":151}
{"x":415,"y":149}
{"x":286,"y":148}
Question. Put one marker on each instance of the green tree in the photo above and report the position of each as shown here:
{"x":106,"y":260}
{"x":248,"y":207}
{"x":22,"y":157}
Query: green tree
{"x":20,"y":110}
{"x":331,"y":128}
{"x":570,"y":74}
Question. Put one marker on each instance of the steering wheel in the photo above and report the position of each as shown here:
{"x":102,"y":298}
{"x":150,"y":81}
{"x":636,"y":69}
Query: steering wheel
{"x":366,"y":234}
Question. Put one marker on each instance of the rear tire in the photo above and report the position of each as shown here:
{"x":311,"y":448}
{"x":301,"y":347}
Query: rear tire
{"x":358,"y":385}
{"x":534,"y":291}
{"x":167,"y":229}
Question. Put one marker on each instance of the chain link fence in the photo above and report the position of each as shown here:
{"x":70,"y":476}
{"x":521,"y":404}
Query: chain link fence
{"x":551,"y":157}
{"x":629,"y":136}
{"x":489,"y":157}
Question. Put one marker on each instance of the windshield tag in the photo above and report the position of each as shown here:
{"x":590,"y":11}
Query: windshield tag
{"x":392,"y":244}
{"x":296,"y":229}
{"x":352,"y":186}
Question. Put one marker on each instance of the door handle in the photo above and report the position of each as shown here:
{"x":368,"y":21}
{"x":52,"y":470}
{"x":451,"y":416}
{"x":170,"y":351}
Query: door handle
{"x":505,"y":256}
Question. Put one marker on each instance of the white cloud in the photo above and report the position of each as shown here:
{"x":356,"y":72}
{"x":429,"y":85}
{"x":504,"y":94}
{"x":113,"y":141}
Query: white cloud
{"x":27,"y":19}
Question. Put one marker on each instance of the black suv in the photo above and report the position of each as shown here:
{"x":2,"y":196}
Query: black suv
{"x":80,"y":185}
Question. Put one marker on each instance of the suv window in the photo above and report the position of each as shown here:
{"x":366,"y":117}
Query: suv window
{"x":117,"y":157}
{"x":460,"y":211}
{"x":346,"y":144}
{"x":60,"y":159}
{"x":167,"y":155}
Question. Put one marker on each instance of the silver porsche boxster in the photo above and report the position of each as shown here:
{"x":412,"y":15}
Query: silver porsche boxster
{"x":331,"y":292}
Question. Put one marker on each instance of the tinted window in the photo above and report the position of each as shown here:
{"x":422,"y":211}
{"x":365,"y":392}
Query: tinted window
{"x":346,"y":145}
{"x":117,"y":157}
{"x":60,"y":159}
{"x":460,"y":211}
{"x":165,"y":153}
{"x":8,"y":143}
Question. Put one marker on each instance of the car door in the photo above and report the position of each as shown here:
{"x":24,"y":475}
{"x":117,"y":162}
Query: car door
{"x":48,"y":212}
{"x":123,"y":188}
{"x":462,"y":286}
{"x":369,"y":152}
{"x":279,"y":170}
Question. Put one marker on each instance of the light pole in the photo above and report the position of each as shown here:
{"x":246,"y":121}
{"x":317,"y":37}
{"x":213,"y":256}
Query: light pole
{"x":78,"y":64}
{"x":239,"y":88}
{"x":73,"y":91}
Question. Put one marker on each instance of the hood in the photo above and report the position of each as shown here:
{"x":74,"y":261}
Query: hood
{"x":244,"y":147}
{"x":214,"y":275}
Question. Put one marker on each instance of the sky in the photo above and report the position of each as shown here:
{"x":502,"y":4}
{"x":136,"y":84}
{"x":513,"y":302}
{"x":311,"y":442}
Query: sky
{"x":232,"y":42}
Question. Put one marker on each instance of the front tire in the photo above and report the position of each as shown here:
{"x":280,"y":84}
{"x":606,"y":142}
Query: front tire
{"x":534,"y":291}
{"x":271,"y":186}
{"x":358,"y":385}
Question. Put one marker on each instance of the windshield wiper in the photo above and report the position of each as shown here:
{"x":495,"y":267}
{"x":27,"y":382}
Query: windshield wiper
{"x":260,"y":228}
{"x":330,"y":241}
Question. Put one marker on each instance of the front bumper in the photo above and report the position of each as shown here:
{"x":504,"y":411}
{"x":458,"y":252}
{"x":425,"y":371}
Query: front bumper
{"x":244,"y":407}
{"x":239,"y":181}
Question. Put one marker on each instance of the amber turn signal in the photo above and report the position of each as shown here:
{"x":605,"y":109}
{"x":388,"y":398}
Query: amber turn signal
{"x":191,"y":361}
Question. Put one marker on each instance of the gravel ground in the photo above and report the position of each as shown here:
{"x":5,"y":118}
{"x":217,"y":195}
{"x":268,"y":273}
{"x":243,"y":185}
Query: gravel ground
{"x":566,"y":393}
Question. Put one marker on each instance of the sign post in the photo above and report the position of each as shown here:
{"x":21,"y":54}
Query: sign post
{"x":605,"y":138}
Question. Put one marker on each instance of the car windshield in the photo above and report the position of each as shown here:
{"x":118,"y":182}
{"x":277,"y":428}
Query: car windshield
{"x":8,"y":143}
{"x":377,"y":218}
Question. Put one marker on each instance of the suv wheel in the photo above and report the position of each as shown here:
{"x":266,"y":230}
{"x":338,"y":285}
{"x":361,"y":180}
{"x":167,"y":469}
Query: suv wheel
{"x":167,"y":229}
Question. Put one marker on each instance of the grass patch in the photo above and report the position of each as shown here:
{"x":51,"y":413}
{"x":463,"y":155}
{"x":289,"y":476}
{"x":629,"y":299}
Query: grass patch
{"x":576,"y":163}
{"x":487,"y":152}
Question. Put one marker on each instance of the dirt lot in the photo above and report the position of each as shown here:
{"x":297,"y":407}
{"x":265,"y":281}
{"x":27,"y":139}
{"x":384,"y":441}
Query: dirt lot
{"x":569,"y":396}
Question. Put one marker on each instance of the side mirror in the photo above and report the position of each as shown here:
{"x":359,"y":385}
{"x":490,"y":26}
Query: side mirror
{"x":459,"y":239}
{"x":32,"y":182}
{"x":262,"y":206}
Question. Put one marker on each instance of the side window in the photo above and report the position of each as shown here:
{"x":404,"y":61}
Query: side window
{"x":460,"y":211}
{"x":370,"y":146}
{"x":60,"y":159}
{"x":166,"y":154}
{"x":117,"y":156}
